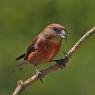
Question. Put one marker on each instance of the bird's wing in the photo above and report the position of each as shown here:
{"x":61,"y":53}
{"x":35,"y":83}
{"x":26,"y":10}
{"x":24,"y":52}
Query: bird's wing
{"x":31,"y":48}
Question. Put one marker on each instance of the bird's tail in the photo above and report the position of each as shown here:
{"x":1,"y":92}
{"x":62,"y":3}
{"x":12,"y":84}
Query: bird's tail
{"x":21,"y":56}
{"x":22,"y":65}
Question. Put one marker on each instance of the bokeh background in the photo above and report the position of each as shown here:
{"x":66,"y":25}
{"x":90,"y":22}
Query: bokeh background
{"x":21,"y":20}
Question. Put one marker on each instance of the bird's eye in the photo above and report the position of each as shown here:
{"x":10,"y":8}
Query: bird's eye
{"x":57,"y":30}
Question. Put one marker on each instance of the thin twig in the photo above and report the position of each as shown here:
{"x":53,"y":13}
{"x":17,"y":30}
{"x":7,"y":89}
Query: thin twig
{"x":22,"y":85}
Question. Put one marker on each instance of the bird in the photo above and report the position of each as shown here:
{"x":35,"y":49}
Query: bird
{"x":45,"y":46}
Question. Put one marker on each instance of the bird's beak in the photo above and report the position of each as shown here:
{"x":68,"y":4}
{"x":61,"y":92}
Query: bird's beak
{"x":63,"y":34}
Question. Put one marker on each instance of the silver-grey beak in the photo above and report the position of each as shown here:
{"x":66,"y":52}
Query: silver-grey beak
{"x":63,"y":34}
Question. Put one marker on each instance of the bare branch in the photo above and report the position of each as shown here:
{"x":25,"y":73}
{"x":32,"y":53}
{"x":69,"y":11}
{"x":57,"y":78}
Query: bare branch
{"x":22,"y":85}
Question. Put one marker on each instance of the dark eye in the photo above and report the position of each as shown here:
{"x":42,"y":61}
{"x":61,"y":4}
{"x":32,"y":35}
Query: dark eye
{"x":57,"y":30}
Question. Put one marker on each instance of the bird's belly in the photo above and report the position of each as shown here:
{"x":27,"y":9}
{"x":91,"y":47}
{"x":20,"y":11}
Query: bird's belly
{"x":44,"y":53}
{"x":50,"y":51}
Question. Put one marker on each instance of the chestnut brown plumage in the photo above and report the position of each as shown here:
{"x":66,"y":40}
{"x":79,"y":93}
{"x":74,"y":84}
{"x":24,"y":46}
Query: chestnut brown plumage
{"x":45,"y":45}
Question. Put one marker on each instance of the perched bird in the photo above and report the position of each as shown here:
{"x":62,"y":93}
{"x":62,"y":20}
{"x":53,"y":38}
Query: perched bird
{"x":45,"y":45}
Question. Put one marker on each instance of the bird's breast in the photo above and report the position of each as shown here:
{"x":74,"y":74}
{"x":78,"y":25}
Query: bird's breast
{"x":48,"y":49}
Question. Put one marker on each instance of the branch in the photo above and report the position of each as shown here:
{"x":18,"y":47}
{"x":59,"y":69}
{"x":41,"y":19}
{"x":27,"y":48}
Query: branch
{"x":22,"y":85}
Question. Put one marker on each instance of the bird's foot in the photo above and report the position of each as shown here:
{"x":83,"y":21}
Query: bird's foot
{"x":62,"y":62}
{"x":40,"y":75}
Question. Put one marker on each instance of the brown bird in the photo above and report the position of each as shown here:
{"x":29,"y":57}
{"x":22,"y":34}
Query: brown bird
{"x":45,"y":45}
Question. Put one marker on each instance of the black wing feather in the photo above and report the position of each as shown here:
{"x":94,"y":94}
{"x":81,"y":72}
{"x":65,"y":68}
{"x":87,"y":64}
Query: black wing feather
{"x":29,"y":50}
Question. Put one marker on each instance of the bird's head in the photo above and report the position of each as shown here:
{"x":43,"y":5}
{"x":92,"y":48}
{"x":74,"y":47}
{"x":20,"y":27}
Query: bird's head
{"x":57,"y":31}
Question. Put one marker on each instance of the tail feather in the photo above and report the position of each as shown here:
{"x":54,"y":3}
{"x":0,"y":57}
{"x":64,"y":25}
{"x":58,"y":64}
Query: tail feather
{"x":21,"y":56}
{"x":22,"y":65}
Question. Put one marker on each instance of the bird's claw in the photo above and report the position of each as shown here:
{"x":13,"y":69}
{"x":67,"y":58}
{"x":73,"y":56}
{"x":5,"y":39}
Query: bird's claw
{"x":40,"y":75}
{"x":62,"y":62}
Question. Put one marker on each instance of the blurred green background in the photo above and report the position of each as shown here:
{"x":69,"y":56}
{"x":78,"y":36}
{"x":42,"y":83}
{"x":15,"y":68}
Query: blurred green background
{"x":21,"y":20}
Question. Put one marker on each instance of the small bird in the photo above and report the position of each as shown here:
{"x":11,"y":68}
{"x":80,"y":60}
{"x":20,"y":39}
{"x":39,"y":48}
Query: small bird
{"x":44,"y":46}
